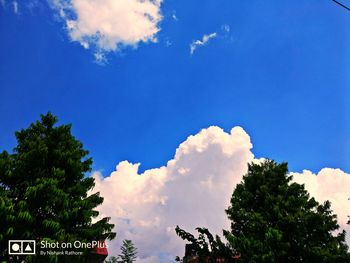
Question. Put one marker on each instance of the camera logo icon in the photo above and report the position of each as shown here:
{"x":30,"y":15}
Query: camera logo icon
{"x":21,"y":247}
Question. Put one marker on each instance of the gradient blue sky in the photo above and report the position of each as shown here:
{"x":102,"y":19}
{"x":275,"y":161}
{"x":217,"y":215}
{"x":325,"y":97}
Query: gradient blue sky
{"x":282,"y":73}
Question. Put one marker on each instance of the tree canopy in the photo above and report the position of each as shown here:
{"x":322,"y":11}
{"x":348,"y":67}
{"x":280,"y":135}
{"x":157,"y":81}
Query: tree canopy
{"x":44,"y":191}
{"x":112,"y":259}
{"x":276,"y":220}
{"x":207,"y":247}
{"x":128,"y":252}
{"x":273,"y":220}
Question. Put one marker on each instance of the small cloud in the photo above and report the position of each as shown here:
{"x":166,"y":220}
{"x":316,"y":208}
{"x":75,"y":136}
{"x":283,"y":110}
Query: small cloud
{"x":174,"y":16}
{"x":205,"y":39}
{"x":168,"y":43}
{"x":35,"y":6}
{"x":100,"y":58}
{"x":22,"y":7}
{"x":15,"y":7}
{"x":85,"y":44}
{"x":225,"y":28}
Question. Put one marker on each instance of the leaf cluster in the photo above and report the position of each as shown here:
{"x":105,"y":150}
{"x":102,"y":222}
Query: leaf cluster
{"x":128,"y":253}
{"x":206,"y":246}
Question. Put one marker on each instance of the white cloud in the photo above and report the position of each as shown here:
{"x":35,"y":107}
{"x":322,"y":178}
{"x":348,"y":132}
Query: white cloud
{"x":174,"y":16}
{"x":329,"y":184}
{"x":168,"y":43}
{"x":109,"y":24}
{"x":193,"y":189}
{"x":32,"y":4}
{"x":226,"y":28}
{"x":100,"y":58}
{"x":197,"y":43}
{"x":15,"y":7}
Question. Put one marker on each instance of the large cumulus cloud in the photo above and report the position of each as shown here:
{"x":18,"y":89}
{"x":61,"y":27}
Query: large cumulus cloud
{"x":193,"y":189}
{"x":329,"y":184}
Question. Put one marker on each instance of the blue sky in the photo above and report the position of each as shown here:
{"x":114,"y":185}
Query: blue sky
{"x":140,"y":86}
{"x":281,"y":72}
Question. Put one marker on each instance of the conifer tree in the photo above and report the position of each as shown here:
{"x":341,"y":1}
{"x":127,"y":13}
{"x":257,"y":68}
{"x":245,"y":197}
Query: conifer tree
{"x":111,"y":260}
{"x":128,"y":252}
{"x":45,"y":191}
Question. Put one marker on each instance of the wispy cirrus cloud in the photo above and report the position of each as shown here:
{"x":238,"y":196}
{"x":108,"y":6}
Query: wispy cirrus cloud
{"x":12,"y":5}
{"x":22,"y":7}
{"x":2,"y":3}
{"x":201,"y":42}
{"x":15,"y":7}
{"x":206,"y":38}
{"x":174,"y":16}
{"x":226,"y":28}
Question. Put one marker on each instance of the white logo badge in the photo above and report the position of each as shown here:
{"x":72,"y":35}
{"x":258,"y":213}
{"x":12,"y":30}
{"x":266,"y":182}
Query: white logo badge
{"x":21,"y":247}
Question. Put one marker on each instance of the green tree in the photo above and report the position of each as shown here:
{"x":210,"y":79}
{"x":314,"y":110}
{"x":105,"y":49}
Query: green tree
{"x":206,"y":246}
{"x":275,"y":220}
{"x":112,"y":260}
{"x":44,"y":190}
{"x":7,"y":217}
{"x":128,"y":252}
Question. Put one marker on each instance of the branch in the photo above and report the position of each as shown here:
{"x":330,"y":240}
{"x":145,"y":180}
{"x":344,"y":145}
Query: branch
{"x":342,"y":5}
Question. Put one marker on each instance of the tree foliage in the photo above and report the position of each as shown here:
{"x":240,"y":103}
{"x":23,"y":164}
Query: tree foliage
{"x":206,"y":245}
{"x":128,"y":252}
{"x":44,"y":191}
{"x":275,"y":220}
{"x":112,"y":260}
